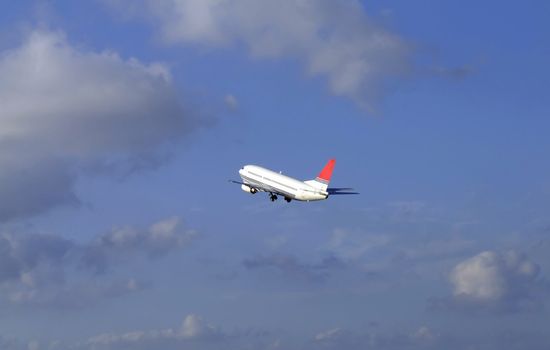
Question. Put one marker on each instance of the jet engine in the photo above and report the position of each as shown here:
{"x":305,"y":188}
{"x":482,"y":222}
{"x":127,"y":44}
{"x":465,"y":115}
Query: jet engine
{"x":248,"y":189}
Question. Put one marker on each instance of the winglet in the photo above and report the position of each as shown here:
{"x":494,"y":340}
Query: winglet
{"x":326,"y":173}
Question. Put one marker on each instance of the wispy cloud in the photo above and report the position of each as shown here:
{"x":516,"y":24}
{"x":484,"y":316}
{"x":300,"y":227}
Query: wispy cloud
{"x":373,"y":338}
{"x":193,"y":328}
{"x":290,"y":266}
{"x":426,"y":338}
{"x":231,"y":102}
{"x":337,"y":41}
{"x":193,"y":333}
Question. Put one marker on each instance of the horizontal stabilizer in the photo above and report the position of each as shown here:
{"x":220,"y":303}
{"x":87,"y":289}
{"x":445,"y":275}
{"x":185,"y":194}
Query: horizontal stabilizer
{"x":341,"y":190}
{"x":237,"y":182}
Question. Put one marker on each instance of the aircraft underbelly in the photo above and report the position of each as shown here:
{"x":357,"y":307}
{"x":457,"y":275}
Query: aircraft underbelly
{"x":267,"y":187}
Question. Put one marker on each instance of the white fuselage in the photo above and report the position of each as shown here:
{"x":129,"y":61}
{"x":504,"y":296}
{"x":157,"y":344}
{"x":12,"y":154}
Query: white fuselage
{"x":263,"y":179}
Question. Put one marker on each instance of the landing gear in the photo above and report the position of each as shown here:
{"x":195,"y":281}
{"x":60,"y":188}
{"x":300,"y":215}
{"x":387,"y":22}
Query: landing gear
{"x":288,"y":199}
{"x":273,"y":197}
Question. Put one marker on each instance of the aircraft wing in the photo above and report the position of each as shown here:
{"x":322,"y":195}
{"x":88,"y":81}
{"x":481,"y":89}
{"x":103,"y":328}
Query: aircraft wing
{"x":238,"y":182}
{"x":259,"y":188}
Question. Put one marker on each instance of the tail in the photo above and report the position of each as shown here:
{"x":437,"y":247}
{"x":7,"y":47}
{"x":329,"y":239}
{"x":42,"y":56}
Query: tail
{"x":321,"y":181}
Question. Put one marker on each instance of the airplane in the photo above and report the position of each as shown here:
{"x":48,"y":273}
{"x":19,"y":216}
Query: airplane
{"x":257,"y":179}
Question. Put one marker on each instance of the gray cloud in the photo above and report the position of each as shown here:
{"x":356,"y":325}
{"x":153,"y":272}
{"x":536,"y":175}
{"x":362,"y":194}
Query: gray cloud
{"x":495,"y":282}
{"x":66,"y":111}
{"x":76,"y":295}
{"x":455,"y":72}
{"x":11,"y":344}
{"x":353,"y":244}
{"x":29,"y":185}
{"x":333,"y":40}
{"x":159,"y":239}
{"x":21,"y":255}
{"x":290,"y":266}
{"x":393,"y":258}
{"x":358,"y":258}
{"x":38,"y":270}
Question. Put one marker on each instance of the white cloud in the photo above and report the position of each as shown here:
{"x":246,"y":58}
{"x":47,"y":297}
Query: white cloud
{"x":491,"y":276}
{"x":193,"y":329}
{"x":335,"y":40}
{"x":500,"y":281}
{"x":329,"y":334}
{"x":480,"y":277}
{"x":67,"y":110}
{"x":194,"y":333}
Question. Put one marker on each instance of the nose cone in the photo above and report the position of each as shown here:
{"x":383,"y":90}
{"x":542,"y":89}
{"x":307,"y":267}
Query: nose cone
{"x":241,"y":171}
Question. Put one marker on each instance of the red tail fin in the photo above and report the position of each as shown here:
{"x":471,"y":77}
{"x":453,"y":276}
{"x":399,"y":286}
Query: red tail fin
{"x":326,"y":173}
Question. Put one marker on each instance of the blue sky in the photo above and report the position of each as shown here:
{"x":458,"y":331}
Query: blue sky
{"x":121,"y":122}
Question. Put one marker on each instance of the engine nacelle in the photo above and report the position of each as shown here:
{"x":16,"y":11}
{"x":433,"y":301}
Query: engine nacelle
{"x":248,"y":189}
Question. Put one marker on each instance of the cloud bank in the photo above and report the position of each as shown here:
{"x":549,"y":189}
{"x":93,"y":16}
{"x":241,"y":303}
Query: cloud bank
{"x":335,"y":40}
{"x":47,"y":270}
{"x":66,"y":111}
{"x":159,"y":239}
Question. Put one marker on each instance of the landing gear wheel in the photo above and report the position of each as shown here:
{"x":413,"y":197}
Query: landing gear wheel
{"x":273,"y":197}
{"x":288,"y":199}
